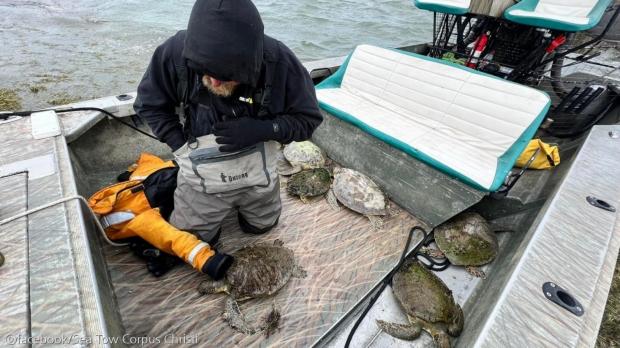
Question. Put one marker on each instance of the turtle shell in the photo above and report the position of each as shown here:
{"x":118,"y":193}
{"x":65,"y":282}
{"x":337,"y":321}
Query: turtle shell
{"x":309,"y":183}
{"x":304,"y":154}
{"x":260,"y":270}
{"x":358,"y":192}
{"x":467,"y":240}
{"x":423,"y":295}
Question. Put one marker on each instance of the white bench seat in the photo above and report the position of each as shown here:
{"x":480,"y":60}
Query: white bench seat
{"x":565,"y":15}
{"x":469,"y":125}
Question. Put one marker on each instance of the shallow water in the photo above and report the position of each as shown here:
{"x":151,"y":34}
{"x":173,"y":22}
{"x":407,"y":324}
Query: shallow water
{"x":55,"y":51}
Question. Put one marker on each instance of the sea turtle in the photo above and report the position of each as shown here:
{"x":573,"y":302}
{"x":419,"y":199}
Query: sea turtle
{"x":466,"y":240}
{"x":1,"y":259}
{"x":359,"y":193}
{"x":309,"y":183}
{"x":259,"y":270}
{"x":428,"y":303}
{"x":301,"y":155}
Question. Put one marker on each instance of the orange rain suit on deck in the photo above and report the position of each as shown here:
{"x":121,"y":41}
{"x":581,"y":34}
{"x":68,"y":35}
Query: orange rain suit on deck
{"x":127,"y":203}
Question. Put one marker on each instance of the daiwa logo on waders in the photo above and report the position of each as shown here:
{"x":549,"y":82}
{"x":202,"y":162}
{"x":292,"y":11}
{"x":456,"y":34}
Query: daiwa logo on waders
{"x":232,"y":178}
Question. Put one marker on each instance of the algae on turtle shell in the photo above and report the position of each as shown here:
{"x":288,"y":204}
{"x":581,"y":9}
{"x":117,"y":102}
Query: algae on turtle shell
{"x":309,"y":183}
{"x":465,"y":240}
{"x":304,"y":155}
{"x":428,"y":303}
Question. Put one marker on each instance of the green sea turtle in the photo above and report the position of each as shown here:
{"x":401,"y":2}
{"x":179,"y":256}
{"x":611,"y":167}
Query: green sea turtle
{"x":309,"y":183}
{"x":428,"y":303}
{"x":259,"y":270}
{"x":301,"y":155}
{"x":466,"y":240}
{"x":359,"y":193}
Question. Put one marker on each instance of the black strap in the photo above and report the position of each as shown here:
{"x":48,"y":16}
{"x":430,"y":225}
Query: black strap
{"x":271,"y":59}
{"x":262,"y":95}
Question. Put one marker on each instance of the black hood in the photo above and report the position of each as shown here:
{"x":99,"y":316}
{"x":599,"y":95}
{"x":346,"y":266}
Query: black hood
{"x":225,"y":40}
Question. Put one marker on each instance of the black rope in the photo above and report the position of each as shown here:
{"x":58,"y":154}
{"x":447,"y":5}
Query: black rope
{"x":388,"y":278}
{"x":106,"y":112}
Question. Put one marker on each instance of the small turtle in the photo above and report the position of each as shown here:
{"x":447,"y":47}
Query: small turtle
{"x":302,"y":155}
{"x":428,"y":303}
{"x":466,"y":240}
{"x":358,"y":193}
{"x":257,"y":271}
{"x":309,"y":183}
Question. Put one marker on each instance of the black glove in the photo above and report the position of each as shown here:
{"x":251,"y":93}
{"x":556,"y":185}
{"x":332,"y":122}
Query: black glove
{"x":243,"y":132}
{"x":158,"y":263}
{"x":217,"y":265}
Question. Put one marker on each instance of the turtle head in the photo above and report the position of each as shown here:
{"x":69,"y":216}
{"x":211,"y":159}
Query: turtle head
{"x":213,"y":287}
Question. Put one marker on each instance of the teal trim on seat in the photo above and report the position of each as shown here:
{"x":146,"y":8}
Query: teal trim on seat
{"x":505,"y":162}
{"x":334,"y":80}
{"x":441,"y":8}
{"x":530,"y":5}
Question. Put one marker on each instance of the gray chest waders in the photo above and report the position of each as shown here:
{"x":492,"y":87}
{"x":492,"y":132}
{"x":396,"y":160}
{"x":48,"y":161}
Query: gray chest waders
{"x":211,"y":184}
{"x":210,"y":171}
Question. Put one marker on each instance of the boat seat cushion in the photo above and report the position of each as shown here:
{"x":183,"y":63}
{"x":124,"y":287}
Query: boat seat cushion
{"x":565,"y":15}
{"x":467,"y":124}
{"x":457,"y":7}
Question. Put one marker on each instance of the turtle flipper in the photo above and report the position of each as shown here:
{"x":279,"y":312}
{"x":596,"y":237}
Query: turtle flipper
{"x":375,"y":221}
{"x":407,"y":332}
{"x":272,"y":321}
{"x":332,"y":200}
{"x":432,"y":252}
{"x":212,"y":287}
{"x":476,"y":272}
{"x":236,"y":319}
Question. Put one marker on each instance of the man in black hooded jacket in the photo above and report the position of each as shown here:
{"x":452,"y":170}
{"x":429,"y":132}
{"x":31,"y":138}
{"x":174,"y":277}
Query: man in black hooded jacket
{"x":224,"y":82}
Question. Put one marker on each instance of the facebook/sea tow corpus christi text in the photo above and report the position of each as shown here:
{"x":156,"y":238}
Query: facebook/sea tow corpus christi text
{"x":99,"y":339}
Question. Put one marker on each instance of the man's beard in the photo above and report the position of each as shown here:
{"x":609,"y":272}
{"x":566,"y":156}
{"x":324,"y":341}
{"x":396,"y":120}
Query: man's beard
{"x":226,"y":89}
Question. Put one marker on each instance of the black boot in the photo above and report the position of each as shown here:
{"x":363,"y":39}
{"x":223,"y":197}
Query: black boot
{"x":158,"y":262}
{"x":247,"y":228}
